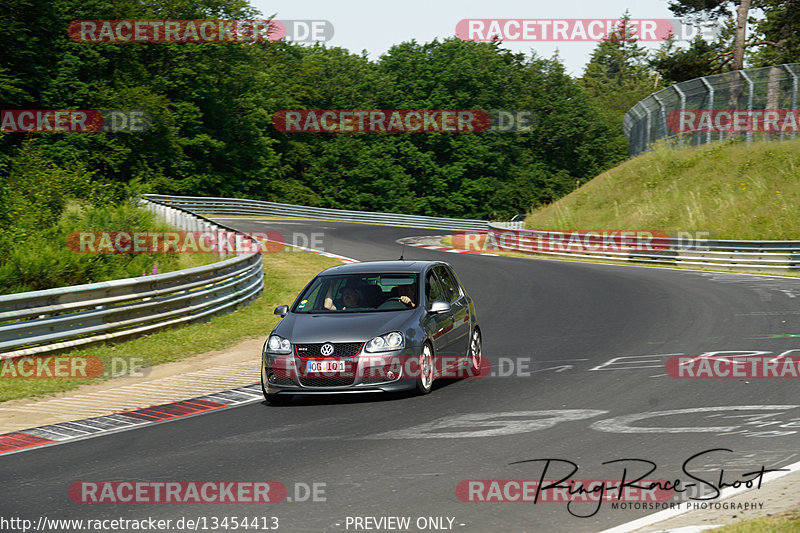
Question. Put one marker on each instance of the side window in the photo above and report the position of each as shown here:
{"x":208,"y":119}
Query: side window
{"x":449,"y":284}
{"x":433,"y":291}
{"x":312,"y":299}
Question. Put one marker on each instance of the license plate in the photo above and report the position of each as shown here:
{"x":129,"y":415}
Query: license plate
{"x":325,"y":366}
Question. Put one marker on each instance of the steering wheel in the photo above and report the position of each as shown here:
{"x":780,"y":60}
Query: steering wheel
{"x":398,"y":299}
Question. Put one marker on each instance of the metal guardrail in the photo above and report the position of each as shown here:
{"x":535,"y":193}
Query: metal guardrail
{"x":237,"y":206}
{"x":39,"y":322}
{"x":47,"y":321}
{"x":769,"y":88}
{"x":520,"y":224}
{"x":753,"y":256}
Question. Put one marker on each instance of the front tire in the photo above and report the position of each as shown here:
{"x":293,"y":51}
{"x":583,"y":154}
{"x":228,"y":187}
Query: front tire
{"x":475,"y":353}
{"x":426,"y":369}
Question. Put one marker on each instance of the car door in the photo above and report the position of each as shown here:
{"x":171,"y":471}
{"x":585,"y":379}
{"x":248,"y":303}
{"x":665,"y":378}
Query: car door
{"x":459,"y":311}
{"x":438,"y":325}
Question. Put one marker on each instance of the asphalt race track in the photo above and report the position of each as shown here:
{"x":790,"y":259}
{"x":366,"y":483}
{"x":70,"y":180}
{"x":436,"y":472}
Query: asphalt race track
{"x":585,"y":346}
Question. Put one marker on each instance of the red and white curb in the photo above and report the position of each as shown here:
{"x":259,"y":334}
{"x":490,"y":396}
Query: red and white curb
{"x":20,"y":441}
{"x":428,"y":240}
{"x":341,"y":258}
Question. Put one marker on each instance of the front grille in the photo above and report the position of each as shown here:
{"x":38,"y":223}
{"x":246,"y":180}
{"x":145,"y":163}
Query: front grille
{"x":340,"y":349}
{"x":336,"y":381}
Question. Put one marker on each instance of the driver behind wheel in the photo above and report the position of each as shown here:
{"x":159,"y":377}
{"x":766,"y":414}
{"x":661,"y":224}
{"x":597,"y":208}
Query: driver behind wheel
{"x":407,"y":293}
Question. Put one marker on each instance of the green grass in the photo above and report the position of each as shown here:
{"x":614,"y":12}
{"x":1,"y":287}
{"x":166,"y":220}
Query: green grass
{"x":285,"y":274}
{"x":731,"y":189}
{"x":36,"y":258}
{"x":783,"y":523}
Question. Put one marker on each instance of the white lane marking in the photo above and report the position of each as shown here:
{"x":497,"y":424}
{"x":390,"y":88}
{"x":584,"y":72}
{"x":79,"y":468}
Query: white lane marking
{"x":492,"y":424}
{"x":622,"y":424}
{"x":515,"y":422}
{"x":636,"y":362}
{"x":558,"y":369}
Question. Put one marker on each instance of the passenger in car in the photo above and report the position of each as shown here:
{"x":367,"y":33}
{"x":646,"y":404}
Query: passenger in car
{"x":351,"y":297}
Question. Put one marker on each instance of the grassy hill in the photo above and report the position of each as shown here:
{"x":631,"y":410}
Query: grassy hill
{"x":732,"y":189}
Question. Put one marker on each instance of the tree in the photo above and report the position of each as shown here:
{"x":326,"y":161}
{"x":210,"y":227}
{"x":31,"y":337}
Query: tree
{"x":616,"y":77}
{"x":778,"y":31}
{"x":702,"y":58}
{"x":713,"y":10}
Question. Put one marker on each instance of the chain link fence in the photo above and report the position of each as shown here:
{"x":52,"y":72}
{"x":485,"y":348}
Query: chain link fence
{"x":753,"y":104}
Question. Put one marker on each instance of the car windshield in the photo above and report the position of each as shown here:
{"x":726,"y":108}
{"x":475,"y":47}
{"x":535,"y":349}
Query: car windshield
{"x":359,"y":293}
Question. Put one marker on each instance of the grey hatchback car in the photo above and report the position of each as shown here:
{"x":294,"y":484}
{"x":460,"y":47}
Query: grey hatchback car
{"x":381,"y":326}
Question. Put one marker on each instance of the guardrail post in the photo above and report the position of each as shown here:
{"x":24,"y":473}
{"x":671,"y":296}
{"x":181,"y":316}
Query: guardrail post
{"x":643,"y":134}
{"x":794,"y":93}
{"x":663,"y":112}
{"x":710,"y":106}
{"x":683,"y":109}
{"x":637,"y":138}
{"x":749,"y":134}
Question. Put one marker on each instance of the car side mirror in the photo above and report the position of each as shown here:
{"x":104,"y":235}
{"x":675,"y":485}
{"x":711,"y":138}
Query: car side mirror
{"x":281,"y":310}
{"x":439,"y":307}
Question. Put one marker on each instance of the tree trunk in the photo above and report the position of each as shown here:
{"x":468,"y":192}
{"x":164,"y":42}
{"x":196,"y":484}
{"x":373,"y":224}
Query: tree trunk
{"x":774,"y":88}
{"x":741,"y":31}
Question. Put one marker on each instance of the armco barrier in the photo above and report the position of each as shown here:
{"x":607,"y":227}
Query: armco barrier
{"x":40,"y":322}
{"x":46,"y":321}
{"x":239,"y":206}
{"x":736,"y":255}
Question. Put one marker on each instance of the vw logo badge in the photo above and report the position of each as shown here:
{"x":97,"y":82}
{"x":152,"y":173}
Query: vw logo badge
{"x":327,"y":349}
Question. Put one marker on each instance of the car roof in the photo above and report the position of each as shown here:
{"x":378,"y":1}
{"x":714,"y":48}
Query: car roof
{"x":373,"y":267}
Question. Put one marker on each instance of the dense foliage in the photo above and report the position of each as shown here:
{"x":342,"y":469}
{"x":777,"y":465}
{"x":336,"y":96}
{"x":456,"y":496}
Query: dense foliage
{"x":212,"y":135}
{"x":212,"y":107}
{"x":772,"y":38}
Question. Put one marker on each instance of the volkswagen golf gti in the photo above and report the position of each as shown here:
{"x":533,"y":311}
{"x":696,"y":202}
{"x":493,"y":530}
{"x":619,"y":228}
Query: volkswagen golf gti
{"x":381,"y":326}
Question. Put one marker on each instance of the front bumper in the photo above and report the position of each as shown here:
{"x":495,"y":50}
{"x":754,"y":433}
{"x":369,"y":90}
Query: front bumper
{"x":366,"y":372}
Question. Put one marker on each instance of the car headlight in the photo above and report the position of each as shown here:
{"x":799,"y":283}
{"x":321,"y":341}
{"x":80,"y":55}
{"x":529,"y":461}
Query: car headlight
{"x":277,"y":344}
{"x":385,"y":343}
